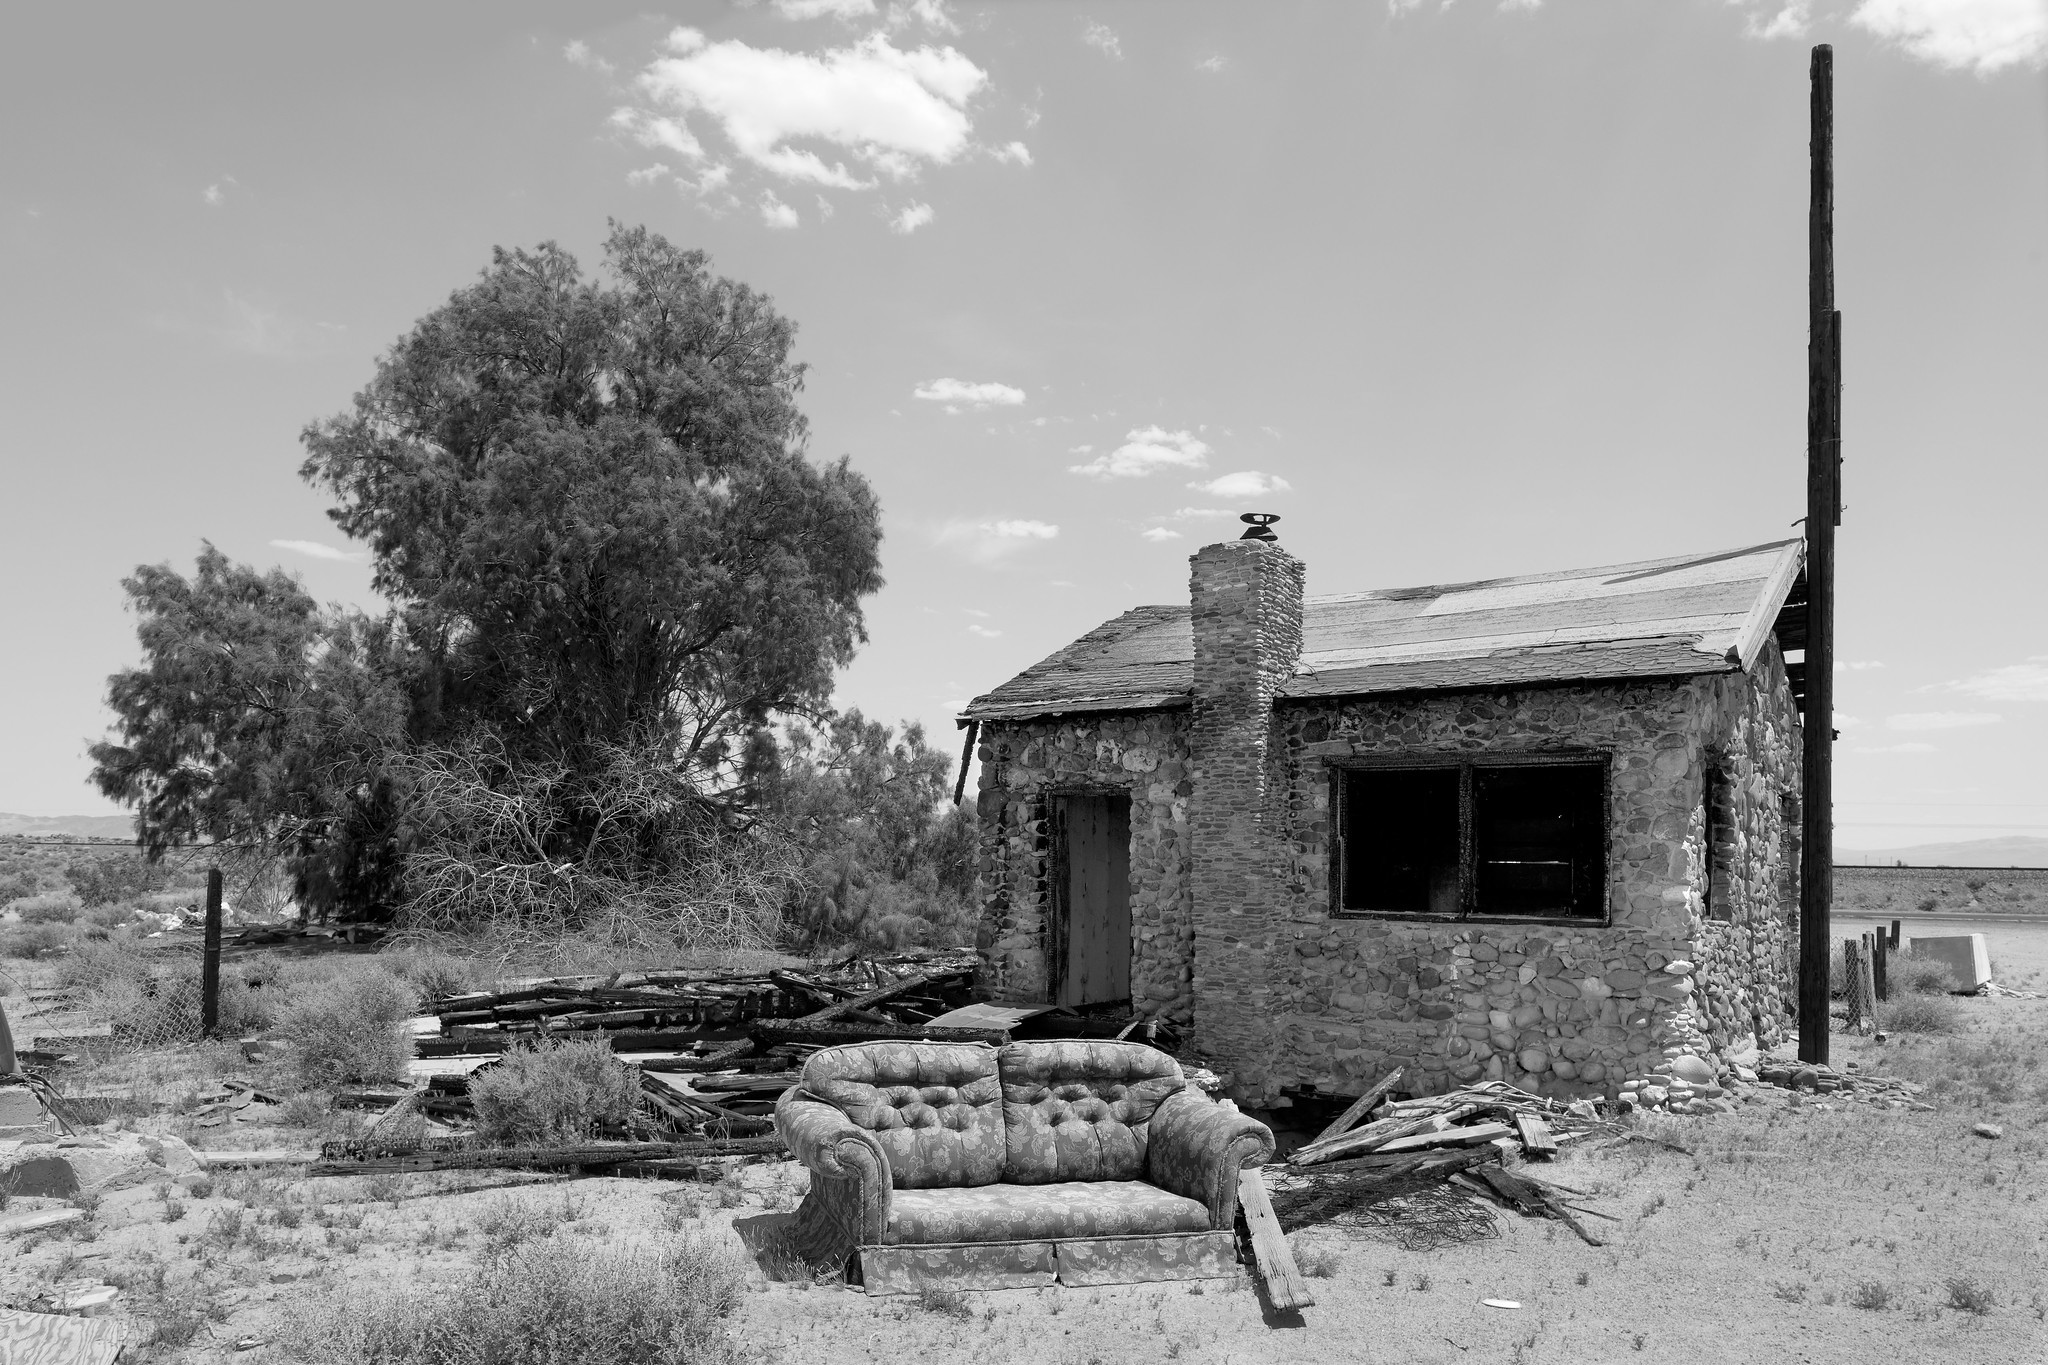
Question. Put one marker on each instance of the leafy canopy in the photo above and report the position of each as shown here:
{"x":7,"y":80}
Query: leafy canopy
{"x":592,"y":503}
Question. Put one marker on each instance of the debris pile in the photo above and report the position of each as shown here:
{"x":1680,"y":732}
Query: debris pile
{"x":1394,"y":1170}
{"x":1887,"y":1092}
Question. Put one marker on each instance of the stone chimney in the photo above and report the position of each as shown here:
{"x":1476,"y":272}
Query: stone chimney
{"x":1246,"y":598}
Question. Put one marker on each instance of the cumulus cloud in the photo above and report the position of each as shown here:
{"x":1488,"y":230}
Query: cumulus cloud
{"x":653,"y":130}
{"x":911,"y":219}
{"x":1145,"y":451}
{"x":1103,"y":38}
{"x":216,"y":194}
{"x":2014,"y":682}
{"x":1941,"y":720}
{"x":1015,"y":152}
{"x":818,"y":9}
{"x":313,"y":549}
{"x":1198,"y":513}
{"x":983,"y":631}
{"x":1246,"y":483}
{"x":1159,"y":533}
{"x":775,"y":213}
{"x":931,"y":13}
{"x":1969,"y":35}
{"x":579,"y":54}
{"x":647,"y":175}
{"x":962,"y":393}
{"x":894,"y":109}
{"x":987,"y":542}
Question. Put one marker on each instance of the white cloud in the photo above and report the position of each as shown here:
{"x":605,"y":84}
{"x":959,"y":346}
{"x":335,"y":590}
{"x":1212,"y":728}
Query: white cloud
{"x":212,"y":195}
{"x":1791,"y":21}
{"x":579,"y":54}
{"x":1212,"y":64}
{"x":1974,"y":35}
{"x":2014,"y":682}
{"x":1015,"y":152}
{"x":1199,"y":513}
{"x":1941,"y":720}
{"x":775,"y":213}
{"x":713,"y":178}
{"x":1159,"y":533}
{"x":983,"y":631}
{"x":1082,"y":450}
{"x":647,"y":175}
{"x":965,"y":393}
{"x":976,"y":611}
{"x":1146,"y":450}
{"x":1246,"y":483}
{"x":817,"y":9}
{"x":1858,"y":665}
{"x":895,"y":109}
{"x":313,"y":549}
{"x":986,"y":542}
{"x":1103,"y":37}
{"x":911,"y":219}
{"x":652,"y":130}
{"x":931,"y":13}
{"x":1909,"y":747}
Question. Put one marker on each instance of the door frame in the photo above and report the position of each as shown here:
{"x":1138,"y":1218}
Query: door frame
{"x":1058,"y":935}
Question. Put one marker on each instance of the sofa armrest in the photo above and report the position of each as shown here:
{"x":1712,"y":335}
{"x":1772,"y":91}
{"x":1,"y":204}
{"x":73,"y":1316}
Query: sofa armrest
{"x":1197,"y":1148}
{"x":848,"y":1203}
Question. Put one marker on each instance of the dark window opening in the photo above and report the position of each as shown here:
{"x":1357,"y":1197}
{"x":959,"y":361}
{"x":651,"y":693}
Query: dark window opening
{"x":1488,"y":840}
{"x":1720,"y":831}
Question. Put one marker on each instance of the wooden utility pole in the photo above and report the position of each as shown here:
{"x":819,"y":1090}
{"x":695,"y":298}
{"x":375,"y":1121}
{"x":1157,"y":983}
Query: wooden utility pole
{"x":1823,"y":515}
{"x":209,"y":964}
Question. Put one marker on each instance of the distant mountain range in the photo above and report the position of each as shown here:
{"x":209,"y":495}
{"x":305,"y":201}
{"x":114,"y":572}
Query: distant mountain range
{"x":75,"y":826}
{"x":2008,"y":852}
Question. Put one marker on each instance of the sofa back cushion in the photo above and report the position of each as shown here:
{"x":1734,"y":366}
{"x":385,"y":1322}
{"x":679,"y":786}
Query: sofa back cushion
{"x":1078,"y":1109}
{"x":936,"y":1108}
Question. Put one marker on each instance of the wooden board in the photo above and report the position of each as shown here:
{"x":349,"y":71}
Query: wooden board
{"x":35,"y":1222}
{"x":52,"y":1339}
{"x":1095,"y":907}
{"x":1535,"y":1135}
{"x":1449,"y":1137}
{"x":1360,"y":1107}
{"x":1284,"y":1285}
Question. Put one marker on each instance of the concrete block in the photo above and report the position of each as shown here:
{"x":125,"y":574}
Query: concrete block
{"x":1963,"y":954}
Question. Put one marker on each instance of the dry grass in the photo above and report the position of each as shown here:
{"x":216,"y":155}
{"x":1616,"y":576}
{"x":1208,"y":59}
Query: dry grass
{"x":549,"y":1301}
{"x":1920,"y":1014}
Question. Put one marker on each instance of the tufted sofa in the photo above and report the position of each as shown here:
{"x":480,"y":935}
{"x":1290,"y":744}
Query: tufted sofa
{"x":1076,"y":1161}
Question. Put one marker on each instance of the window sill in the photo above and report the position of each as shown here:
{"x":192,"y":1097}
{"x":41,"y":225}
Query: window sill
{"x":1420,"y":917}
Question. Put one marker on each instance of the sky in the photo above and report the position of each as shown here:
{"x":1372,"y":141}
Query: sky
{"x":1459,"y":290}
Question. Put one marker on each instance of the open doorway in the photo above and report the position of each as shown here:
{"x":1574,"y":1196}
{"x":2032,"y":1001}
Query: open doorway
{"x":1090,"y":951}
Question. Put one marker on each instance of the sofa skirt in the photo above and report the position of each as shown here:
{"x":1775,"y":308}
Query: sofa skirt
{"x":1075,"y":1261}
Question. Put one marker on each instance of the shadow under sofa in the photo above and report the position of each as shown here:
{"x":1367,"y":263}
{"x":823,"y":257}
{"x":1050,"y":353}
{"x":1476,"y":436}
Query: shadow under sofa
{"x":1074,"y":1161}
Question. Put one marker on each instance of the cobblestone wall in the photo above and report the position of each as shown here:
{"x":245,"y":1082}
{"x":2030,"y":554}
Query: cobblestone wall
{"x":1557,"y":1008}
{"x":1023,"y":764}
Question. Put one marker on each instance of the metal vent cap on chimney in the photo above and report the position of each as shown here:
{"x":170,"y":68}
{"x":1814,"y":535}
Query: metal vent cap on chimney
{"x":1261,"y":524}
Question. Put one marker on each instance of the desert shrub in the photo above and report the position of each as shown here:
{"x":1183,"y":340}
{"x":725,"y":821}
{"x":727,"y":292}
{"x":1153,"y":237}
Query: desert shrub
{"x":113,"y":915}
{"x":1928,"y":904}
{"x":16,"y":885}
{"x":435,"y":975}
{"x":351,"y":1026}
{"x":169,"y":1007}
{"x":31,"y":942}
{"x":1968,"y":1296}
{"x":1920,"y":976}
{"x":1919,"y":1014}
{"x":99,"y":881}
{"x":558,"y":1092}
{"x":547,"y":1301}
{"x":1872,"y":1295}
{"x":57,"y":909}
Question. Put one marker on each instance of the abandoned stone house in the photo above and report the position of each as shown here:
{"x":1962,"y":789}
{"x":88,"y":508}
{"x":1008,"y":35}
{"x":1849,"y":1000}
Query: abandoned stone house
{"x":1538,"y":829}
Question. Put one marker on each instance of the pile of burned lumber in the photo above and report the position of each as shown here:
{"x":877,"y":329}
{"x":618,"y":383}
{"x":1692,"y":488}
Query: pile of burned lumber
{"x":684,"y":1011}
{"x":1379,"y":1147}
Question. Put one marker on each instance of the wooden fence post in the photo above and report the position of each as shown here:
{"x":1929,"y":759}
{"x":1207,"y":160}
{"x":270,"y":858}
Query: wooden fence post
{"x":1880,"y":964}
{"x":209,"y":969}
{"x":1895,"y":935}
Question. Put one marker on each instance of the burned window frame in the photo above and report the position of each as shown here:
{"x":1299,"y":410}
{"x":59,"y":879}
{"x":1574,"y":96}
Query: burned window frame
{"x":1468,"y":766}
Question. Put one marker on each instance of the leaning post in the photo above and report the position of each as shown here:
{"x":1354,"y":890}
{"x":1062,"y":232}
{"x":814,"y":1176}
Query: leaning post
{"x":1823,"y":514}
{"x":209,"y":970}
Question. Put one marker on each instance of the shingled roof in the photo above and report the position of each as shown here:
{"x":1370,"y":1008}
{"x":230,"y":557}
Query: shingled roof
{"x":1658,"y":618}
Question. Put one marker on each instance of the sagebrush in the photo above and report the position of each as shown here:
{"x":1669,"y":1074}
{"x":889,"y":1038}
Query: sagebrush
{"x":350,"y":1027}
{"x":558,"y":1092}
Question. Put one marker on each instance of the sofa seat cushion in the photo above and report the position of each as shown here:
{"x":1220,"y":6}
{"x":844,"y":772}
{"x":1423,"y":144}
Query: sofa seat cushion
{"x":935,"y":1108}
{"x":1000,"y":1213}
{"x":1079,"y":1109}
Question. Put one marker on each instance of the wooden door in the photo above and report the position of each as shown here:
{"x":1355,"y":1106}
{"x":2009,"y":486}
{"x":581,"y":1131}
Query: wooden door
{"x":1091,"y":930}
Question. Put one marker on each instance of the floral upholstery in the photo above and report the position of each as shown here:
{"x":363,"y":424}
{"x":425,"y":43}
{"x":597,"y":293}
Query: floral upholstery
{"x":917,"y":1143}
{"x":1198,"y":1146}
{"x":1079,"y":1109}
{"x":935,"y":1108}
{"x":993,"y":1213}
